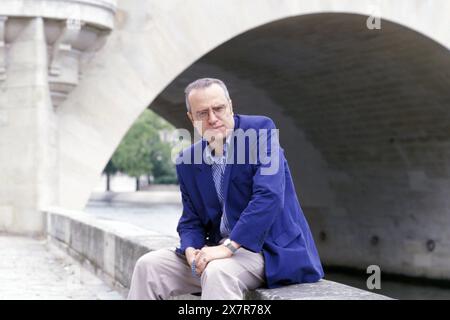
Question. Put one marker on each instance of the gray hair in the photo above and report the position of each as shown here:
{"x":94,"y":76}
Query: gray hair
{"x":201,"y":84}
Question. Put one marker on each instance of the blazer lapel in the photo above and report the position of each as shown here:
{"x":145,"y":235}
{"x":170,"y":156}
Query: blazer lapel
{"x":226,"y":177}
{"x":230,"y":156}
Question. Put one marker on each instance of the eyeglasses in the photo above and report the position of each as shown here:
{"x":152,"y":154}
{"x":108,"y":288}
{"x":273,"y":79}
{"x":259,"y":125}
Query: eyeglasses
{"x":218,"y":111}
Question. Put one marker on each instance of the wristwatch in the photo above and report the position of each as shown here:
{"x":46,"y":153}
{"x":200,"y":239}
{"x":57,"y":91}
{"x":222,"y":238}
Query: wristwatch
{"x":227,"y":243}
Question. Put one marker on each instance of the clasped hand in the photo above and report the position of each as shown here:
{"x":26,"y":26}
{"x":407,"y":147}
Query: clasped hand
{"x":205,"y":255}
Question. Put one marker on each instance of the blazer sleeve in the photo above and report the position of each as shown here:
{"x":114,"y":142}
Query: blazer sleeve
{"x":267,"y":199}
{"x":190,"y":227}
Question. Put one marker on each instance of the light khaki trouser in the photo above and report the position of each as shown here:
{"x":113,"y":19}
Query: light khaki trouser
{"x":161,"y":274}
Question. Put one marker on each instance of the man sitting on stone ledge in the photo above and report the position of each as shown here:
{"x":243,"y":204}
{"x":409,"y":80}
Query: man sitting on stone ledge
{"x":242,"y":226}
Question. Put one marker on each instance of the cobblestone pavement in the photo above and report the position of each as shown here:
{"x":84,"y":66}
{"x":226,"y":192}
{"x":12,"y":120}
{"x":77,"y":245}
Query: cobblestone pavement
{"x":31,"y":269}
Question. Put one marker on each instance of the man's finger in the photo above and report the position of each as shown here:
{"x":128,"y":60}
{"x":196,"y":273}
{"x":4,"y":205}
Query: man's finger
{"x":202,"y":261}
{"x":200,"y":269}
{"x":192,"y":256}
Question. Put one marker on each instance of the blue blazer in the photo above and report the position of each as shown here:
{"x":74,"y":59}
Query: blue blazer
{"x":263,"y":211}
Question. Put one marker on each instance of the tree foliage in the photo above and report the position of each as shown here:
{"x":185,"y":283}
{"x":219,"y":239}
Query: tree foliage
{"x":141,"y":152}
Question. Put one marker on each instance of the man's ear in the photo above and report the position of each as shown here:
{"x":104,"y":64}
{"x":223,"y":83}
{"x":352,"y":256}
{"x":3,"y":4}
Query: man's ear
{"x":231,"y":107}
{"x":190,"y":117}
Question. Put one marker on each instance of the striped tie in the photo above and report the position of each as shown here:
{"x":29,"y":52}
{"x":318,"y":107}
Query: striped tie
{"x":218,"y":170}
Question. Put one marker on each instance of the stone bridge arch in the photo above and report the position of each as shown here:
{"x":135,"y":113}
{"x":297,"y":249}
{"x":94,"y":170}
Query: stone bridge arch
{"x":156,"y":47}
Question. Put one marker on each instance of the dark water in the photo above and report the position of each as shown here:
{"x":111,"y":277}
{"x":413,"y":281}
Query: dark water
{"x":163,"y":218}
{"x":404,"y":288}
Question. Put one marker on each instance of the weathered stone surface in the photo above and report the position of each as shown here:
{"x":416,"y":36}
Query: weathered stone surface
{"x":322,"y":290}
{"x":32,"y":269}
{"x":110,"y":248}
{"x":42,"y":45}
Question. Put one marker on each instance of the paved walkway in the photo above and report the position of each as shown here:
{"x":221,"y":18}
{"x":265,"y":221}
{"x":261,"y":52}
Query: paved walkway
{"x":30,"y":269}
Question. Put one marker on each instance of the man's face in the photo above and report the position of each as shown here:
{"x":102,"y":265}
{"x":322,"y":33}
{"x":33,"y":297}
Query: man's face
{"x":211,"y":112}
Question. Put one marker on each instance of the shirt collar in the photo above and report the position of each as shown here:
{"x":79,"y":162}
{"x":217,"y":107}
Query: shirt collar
{"x":210,"y":159}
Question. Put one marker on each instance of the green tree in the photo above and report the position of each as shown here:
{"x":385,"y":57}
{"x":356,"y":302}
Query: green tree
{"x":131,"y":157}
{"x":109,"y":170}
{"x":163,"y":168}
{"x":142,"y":152}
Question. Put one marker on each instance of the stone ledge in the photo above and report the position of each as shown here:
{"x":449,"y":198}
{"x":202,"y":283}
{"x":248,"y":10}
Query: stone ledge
{"x":111,"y":249}
{"x":322,"y":290}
